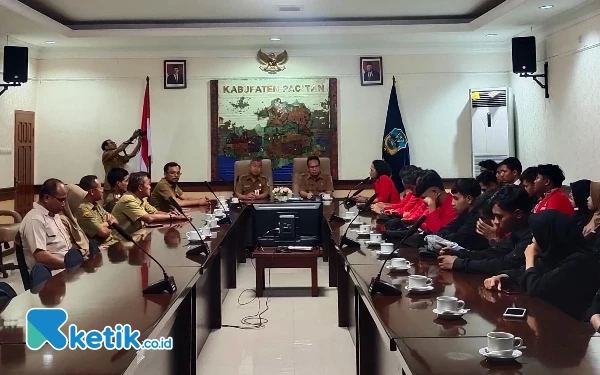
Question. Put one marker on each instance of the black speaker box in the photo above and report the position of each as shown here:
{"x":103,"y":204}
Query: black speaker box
{"x":523,"y":55}
{"x":15,"y":64}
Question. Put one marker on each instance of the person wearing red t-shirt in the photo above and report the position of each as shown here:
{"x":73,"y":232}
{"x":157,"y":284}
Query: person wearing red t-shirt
{"x":548,"y":185}
{"x":440,"y":213}
{"x":409,"y":180}
{"x":382,"y":184}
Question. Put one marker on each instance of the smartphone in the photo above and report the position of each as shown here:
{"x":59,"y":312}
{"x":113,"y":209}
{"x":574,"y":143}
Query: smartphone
{"x":153,"y":225}
{"x":515,"y":313}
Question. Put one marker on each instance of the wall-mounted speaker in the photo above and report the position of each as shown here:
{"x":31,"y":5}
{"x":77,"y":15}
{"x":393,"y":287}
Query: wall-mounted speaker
{"x":15,"y":64}
{"x":523,"y":54}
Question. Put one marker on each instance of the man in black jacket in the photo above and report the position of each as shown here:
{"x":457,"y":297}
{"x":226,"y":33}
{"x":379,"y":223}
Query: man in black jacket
{"x":512,"y":207}
{"x":463,"y":229}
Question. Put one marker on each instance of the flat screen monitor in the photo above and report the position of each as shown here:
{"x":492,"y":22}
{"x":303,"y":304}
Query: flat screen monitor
{"x":307,"y":219}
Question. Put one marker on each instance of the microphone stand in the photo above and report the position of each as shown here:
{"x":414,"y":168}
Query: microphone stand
{"x":167,"y":284}
{"x":338,"y":219}
{"x":226,"y":219}
{"x":378,"y":286}
{"x":202,"y":249}
{"x":344,"y":240}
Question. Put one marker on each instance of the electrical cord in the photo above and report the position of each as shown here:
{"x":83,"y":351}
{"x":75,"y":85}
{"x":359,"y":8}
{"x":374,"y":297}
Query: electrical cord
{"x":255,"y":321}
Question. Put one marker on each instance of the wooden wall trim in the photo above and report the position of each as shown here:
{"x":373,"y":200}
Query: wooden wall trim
{"x":7,"y":194}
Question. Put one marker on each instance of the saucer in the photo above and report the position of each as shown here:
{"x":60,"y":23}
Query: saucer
{"x":327,"y":200}
{"x":491,"y":356}
{"x":381,"y":253}
{"x":449,"y":315}
{"x":373,"y":243}
{"x":363,"y":233}
{"x":397,"y":269}
{"x":424,"y":289}
{"x":195,"y":240}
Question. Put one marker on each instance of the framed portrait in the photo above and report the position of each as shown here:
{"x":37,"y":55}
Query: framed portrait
{"x":175,"y":74}
{"x":371,"y":71}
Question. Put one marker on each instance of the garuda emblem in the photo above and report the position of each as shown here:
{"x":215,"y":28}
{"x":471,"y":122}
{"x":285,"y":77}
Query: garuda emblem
{"x":271,"y":62}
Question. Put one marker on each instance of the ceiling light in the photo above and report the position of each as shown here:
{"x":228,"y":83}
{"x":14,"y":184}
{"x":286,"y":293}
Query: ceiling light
{"x":492,"y":35}
{"x":275,"y":39}
{"x":50,"y":42}
{"x":547,"y":7}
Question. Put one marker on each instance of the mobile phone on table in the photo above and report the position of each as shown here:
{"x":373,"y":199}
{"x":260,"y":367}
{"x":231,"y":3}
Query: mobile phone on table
{"x":515,"y":313}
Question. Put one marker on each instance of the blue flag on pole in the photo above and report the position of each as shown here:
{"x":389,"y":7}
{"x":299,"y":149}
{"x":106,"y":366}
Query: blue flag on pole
{"x":395,"y":142}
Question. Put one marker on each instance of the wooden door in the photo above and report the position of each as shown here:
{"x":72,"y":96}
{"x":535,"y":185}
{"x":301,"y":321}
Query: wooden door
{"x":24,"y":147}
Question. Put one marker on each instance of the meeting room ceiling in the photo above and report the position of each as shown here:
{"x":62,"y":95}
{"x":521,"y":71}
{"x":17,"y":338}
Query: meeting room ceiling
{"x":249,"y":24}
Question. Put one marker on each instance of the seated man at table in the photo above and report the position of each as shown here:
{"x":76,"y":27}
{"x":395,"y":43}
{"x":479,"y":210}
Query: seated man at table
{"x":462,"y":230}
{"x":133,"y":211}
{"x":509,"y":171}
{"x":253,"y":185}
{"x":117,"y":179}
{"x":42,"y":234}
{"x":91,"y":216}
{"x":487,"y":180}
{"x":314,"y":182}
{"x":512,"y":207}
{"x":547,"y":186}
{"x":528,"y":179}
{"x":167,"y":187}
{"x":430,"y":188}
{"x":488,"y":165}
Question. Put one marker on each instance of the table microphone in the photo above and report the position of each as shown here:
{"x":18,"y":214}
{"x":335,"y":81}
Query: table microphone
{"x":347,"y":241}
{"x":379,"y":286}
{"x":335,"y":217}
{"x":166,"y":285}
{"x":226,"y":219}
{"x":202,"y":249}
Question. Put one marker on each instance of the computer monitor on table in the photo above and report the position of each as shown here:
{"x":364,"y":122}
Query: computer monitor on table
{"x":288,"y":223}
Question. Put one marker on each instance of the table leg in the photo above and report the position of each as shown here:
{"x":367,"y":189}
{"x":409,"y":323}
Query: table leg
{"x":260,"y":279}
{"x":314,"y":274}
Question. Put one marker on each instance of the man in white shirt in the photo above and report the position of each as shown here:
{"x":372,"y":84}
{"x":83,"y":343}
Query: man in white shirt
{"x":509,"y":171}
{"x":42,"y":234}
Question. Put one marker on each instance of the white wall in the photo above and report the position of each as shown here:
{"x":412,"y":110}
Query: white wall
{"x":564,"y":129}
{"x":16,"y":98}
{"x":81,"y":102}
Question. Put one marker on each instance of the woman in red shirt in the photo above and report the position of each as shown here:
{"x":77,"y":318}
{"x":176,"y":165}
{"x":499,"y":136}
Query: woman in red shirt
{"x":382,"y":183}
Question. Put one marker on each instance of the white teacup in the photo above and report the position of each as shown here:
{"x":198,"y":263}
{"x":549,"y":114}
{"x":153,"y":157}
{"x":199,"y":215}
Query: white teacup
{"x":192,"y":236}
{"x":235,"y":200}
{"x":205,"y":231}
{"x":418,"y":281}
{"x":350,"y":215}
{"x":503,"y":342}
{"x":376,"y":237}
{"x":365,"y":228}
{"x":212,"y":223}
{"x":386,"y":247}
{"x":448,"y":303}
{"x":326,"y":196}
{"x":400,"y":263}
{"x":218,"y":212}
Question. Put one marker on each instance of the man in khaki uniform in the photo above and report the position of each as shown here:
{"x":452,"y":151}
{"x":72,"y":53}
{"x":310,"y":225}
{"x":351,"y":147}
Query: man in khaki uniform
{"x":253,"y":185}
{"x":167,"y":187}
{"x":314,"y":182}
{"x":117,"y":178}
{"x":42,"y":234}
{"x":91,"y":216}
{"x":111,"y":158}
{"x":133,"y":211}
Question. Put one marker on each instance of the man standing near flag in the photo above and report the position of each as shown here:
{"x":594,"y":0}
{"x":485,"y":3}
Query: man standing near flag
{"x":112,"y":158}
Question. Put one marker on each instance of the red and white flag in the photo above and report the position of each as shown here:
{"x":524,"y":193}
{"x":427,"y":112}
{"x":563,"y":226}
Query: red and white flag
{"x":145,"y":160}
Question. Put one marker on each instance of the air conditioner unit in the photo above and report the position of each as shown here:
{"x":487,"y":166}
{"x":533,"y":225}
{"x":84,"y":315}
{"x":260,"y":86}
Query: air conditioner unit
{"x":492,"y":125}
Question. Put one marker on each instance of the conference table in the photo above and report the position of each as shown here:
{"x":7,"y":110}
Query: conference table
{"x":392,"y":335}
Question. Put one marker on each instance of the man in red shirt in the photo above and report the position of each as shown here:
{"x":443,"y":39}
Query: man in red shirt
{"x":440,"y":213}
{"x":548,"y":185}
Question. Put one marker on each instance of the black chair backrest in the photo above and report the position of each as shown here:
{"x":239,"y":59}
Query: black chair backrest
{"x":73,"y":258}
{"x":25,"y":276}
{"x":7,"y":291}
{"x":39,"y":274}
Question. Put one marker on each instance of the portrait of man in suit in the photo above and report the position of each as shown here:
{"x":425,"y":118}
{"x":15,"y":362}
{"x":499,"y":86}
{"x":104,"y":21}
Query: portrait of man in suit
{"x":371,"y":71}
{"x":175,"y":74}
